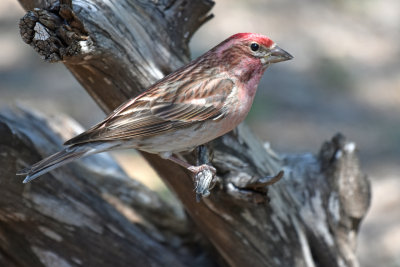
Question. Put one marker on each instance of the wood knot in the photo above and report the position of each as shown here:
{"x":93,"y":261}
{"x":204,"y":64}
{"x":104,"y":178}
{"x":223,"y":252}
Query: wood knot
{"x":331,"y":150}
{"x":56,"y":35}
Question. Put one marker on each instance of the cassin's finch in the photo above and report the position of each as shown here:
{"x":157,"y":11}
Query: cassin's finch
{"x":191,"y":106}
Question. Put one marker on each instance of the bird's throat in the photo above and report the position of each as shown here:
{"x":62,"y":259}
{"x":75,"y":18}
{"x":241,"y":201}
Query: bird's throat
{"x":250,"y":80}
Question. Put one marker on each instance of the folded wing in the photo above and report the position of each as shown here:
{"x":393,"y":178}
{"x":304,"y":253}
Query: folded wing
{"x":162,"y":109}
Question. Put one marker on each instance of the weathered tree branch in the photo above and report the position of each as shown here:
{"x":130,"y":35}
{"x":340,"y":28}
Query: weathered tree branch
{"x":309,"y":218}
{"x":87,"y":214}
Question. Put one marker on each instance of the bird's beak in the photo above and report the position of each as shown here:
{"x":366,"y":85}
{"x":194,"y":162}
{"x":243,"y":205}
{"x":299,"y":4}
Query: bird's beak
{"x":277,"y":55}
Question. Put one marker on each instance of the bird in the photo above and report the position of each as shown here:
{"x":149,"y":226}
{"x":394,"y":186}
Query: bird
{"x":193,"y":105}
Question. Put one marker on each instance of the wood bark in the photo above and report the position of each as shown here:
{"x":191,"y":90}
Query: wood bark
{"x":115,"y":50}
{"x":87,"y":214}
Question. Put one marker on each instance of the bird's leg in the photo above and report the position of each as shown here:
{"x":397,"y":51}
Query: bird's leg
{"x":204,"y":178}
{"x":203,"y":173}
{"x":202,"y":155}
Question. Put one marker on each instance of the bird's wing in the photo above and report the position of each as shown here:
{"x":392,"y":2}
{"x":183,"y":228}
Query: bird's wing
{"x":158,"y":111}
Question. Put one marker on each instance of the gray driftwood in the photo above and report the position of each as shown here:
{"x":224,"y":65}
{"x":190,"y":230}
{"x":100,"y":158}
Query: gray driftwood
{"x":86,"y":214}
{"x":116,"y":49}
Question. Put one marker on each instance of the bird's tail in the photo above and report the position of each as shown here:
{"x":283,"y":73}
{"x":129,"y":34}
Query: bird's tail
{"x":58,"y":159}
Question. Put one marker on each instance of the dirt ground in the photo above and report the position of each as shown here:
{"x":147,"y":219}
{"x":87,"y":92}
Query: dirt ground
{"x":345,"y":77}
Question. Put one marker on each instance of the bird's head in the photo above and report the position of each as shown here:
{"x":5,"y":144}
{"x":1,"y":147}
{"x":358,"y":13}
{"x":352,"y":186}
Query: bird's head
{"x":246,"y":56}
{"x":253,"y":48}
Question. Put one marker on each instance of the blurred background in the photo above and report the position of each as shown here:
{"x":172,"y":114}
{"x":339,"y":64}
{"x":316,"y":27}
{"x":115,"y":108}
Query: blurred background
{"x":345,"y":77}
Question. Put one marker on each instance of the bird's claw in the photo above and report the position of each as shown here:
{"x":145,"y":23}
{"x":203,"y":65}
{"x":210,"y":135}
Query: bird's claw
{"x":204,"y":179}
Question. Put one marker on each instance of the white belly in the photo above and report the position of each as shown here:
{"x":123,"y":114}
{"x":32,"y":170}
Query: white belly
{"x":181,"y":140}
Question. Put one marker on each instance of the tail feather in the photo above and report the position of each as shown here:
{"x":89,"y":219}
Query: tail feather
{"x":58,"y":159}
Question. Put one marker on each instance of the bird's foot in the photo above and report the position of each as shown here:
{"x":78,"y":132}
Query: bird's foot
{"x":204,"y":177}
{"x":204,"y":174}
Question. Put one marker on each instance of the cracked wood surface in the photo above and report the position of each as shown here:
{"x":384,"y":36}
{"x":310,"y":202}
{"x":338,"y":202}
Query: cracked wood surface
{"x":309,"y":218}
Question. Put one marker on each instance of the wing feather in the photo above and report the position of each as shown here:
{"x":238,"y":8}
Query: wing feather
{"x":146,"y":115}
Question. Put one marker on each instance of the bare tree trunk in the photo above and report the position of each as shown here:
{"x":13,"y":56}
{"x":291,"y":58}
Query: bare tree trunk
{"x":309,"y":218}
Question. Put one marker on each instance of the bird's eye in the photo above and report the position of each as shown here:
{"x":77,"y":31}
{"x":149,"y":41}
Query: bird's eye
{"x":254,"y":46}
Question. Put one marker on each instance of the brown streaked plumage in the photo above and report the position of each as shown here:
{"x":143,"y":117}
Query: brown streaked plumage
{"x":193,"y":105}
